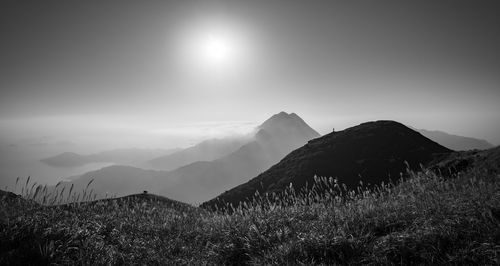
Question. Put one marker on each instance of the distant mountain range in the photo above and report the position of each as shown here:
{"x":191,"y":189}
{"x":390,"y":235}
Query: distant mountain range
{"x":202,"y":180}
{"x":119,"y":156}
{"x":454,"y":142}
{"x":213,"y":149}
{"x":370,"y":152}
{"x":207,"y":150}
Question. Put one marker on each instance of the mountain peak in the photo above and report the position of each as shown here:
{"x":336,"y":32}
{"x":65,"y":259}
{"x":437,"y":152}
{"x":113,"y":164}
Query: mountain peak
{"x":283,"y":123}
{"x":276,"y":117}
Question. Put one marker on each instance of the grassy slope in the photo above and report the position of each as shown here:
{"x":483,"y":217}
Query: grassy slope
{"x":424,"y":220}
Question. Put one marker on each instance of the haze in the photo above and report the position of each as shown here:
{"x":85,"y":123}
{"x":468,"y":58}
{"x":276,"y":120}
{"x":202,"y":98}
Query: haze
{"x":92,"y":75}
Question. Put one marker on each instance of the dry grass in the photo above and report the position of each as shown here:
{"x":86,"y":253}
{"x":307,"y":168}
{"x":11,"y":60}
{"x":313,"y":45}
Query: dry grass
{"x":425,"y":219}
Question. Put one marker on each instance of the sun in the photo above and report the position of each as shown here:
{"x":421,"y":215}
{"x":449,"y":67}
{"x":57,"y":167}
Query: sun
{"x":218,"y":50}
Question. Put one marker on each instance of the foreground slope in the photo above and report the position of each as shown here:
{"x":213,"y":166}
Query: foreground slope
{"x":451,"y":164}
{"x":424,"y":220}
{"x":370,"y":152}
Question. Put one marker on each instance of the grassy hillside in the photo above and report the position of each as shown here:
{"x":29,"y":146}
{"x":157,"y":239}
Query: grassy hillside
{"x":425,"y":219}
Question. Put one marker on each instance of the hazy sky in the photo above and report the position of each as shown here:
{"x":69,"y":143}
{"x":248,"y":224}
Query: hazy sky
{"x":75,"y":71}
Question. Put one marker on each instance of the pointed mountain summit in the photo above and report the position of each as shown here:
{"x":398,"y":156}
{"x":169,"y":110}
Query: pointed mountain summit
{"x":282,"y":133}
{"x":370,"y":152}
{"x":289,"y":125}
{"x":283,"y":120}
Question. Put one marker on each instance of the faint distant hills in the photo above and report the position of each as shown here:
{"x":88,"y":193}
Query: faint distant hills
{"x":207,"y":150}
{"x":116,"y":180}
{"x":370,"y":152}
{"x":202,"y":180}
{"x":213,"y":149}
{"x":454,"y":142}
{"x":118,"y":156}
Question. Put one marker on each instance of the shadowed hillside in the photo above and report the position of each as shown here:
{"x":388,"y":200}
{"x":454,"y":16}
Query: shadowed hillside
{"x":145,"y":200}
{"x":451,"y":164}
{"x":371,"y":152}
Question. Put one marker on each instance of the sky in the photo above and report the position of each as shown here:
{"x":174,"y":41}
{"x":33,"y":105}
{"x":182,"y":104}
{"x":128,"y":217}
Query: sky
{"x":88,"y":75}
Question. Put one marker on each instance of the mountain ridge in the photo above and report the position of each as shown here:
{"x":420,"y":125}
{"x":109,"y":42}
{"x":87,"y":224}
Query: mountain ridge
{"x":376,"y":151}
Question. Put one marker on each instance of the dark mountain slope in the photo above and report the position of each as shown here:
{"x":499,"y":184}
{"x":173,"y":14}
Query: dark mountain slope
{"x":485,"y":160}
{"x":371,"y":152}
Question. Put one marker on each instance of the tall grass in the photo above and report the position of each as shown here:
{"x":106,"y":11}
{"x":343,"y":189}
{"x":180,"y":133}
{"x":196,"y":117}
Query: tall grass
{"x":56,"y":195}
{"x":425,"y":219}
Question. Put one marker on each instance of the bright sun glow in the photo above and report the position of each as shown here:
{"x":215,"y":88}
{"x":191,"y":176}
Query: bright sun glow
{"x":218,"y":50}
{"x":215,"y":50}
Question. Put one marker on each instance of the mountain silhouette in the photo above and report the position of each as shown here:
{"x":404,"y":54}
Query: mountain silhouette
{"x":202,"y":180}
{"x":370,"y":152}
{"x":144,"y":200}
{"x":454,"y":142}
